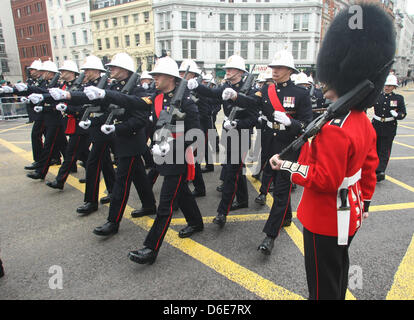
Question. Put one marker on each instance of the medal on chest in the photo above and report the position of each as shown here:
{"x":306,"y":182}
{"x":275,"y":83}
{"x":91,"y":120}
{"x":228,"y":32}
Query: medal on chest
{"x":288,"y":102}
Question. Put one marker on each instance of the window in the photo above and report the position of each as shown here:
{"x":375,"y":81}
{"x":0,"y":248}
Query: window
{"x":266,"y":22}
{"x":192,"y":20}
{"x":184,"y":20}
{"x":127,"y":40}
{"x":262,"y":22}
{"x":126,"y":20}
{"x":74,"y":41}
{"x":97,"y":25}
{"x":18,"y":13}
{"x":116,"y":42}
{"x":85,"y":36}
{"x":115,"y":21}
{"x":4,"y":66}
{"x":45,"y":50}
{"x":135,"y":17}
{"x":42,"y":28}
{"x":99,"y":44}
{"x":244,"y":25}
{"x":72,"y":19}
{"x":301,"y":22}
{"x":106,"y":24}
{"x":189,"y":49}
{"x":83,"y":15}
{"x":147,"y":37}
{"x":261,"y":50}
{"x":226,"y":49}
{"x":146,"y":16}
{"x":62,"y":37}
{"x":30,"y":30}
{"x":244,"y":49}
{"x":300,"y":50}
{"x":137,"y":39}
{"x":107,"y":43}
{"x":38,"y":6}
{"x":226,"y":21}
{"x":257,"y":22}
{"x":296,"y":22}
{"x":305,"y":22}
{"x":55,"y":44}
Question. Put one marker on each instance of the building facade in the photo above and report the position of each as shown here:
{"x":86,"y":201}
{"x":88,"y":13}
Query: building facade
{"x":209,"y":31}
{"x":10,"y":68}
{"x":70,"y":30}
{"x":123,"y":26}
{"x":32,"y":31}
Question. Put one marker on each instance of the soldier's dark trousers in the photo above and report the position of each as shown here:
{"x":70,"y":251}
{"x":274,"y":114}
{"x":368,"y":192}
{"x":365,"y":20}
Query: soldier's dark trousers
{"x":52,"y":136}
{"x":207,"y":124}
{"x":99,"y":160}
{"x":198,"y":182}
{"x":38,"y":130}
{"x":281,"y":208}
{"x":267,"y":177}
{"x":384,"y":146}
{"x":327,"y":266}
{"x":74,"y":151}
{"x":130,"y":169}
{"x":235,"y":185}
{"x":174,"y":188}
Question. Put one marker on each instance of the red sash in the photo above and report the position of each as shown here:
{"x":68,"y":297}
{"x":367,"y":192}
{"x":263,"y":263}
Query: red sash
{"x":189,"y":157}
{"x":158,"y":104}
{"x":274,"y":99}
{"x":71,"y":123}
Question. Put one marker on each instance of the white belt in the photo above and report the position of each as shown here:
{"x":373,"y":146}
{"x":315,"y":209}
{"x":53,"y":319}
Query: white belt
{"x":383,"y":119}
{"x":344,"y":214}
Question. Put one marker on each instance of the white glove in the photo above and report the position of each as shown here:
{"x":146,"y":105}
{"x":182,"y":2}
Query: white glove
{"x":94,"y":93}
{"x":21,"y":87}
{"x":394,"y":113}
{"x":108,"y":128}
{"x":145,"y":86}
{"x":1,"y":90}
{"x":165,"y":148}
{"x":228,"y":94}
{"x":85,"y":124}
{"x":192,"y":84}
{"x":160,"y":150}
{"x":61,"y":107}
{"x":156,"y":151}
{"x":7,"y":89}
{"x":38,"y":108}
{"x":35,"y":98}
{"x":58,"y":94}
{"x":282,"y":118}
{"x":150,"y":118}
{"x":228,"y":125}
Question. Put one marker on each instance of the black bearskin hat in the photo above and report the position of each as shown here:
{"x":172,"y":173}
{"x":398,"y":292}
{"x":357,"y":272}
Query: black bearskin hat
{"x":354,"y":50}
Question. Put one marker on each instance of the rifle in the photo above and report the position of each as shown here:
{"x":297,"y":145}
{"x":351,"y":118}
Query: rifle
{"x":115,"y":109}
{"x":76,"y":84}
{"x":54,"y":80}
{"x":243,"y":91}
{"x":339,"y":107}
{"x":166,"y":117}
{"x":91,"y":108}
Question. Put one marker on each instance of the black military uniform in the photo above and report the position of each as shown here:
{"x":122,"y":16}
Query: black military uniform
{"x":55,"y":140}
{"x":235,"y":183}
{"x":385,"y":124}
{"x":129,"y":145}
{"x":174,"y":187}
{"x":99,"y":158}
{"x":296,"y":102}
{"x":78,"y":144}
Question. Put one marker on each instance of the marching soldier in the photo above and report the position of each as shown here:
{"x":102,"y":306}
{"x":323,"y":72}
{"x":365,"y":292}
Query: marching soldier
{"x":55,"y":140}
{"x":128,"y":131}
{"x":99,"y":158}
{"x":32,"y":80}
{"x":174,"y":186}
{"x":288,"y":109}
{"x":342,"y":156}
{"x":78,"y":144}
{"x":389,"y":108}
{"x":235,"y":183}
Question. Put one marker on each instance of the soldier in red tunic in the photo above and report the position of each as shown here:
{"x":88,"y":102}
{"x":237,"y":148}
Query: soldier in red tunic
{"x":342,"y":157}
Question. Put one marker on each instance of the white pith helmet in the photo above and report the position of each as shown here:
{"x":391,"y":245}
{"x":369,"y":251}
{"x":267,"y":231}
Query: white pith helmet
{"x":93,"y":62}
{"x":166,"y":66}
{"x":193,"y":66}
{"x":69,"y":65}
{"x":235,"y":62}
{"x":284,"y":58}
{"x":122,"y":60}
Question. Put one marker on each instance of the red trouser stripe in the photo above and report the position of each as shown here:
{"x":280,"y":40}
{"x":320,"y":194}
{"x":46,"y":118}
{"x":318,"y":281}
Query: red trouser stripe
{"x":46,"y":167}
{"x":169,"y":217}
{"x":126,"y":188}
{"x":72,"y":160}
{"x":97,"y":172}
{"x":287,"y":206}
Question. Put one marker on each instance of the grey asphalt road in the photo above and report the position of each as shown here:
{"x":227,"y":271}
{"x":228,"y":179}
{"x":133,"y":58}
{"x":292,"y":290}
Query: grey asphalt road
{"x":41,"y":238}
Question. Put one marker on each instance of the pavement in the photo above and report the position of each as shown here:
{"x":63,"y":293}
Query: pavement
{"x":49,"y":252}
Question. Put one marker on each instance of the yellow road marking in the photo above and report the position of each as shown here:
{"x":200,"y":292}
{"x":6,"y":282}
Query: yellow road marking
{"x":403,"y":144}
{"x":401,"y":158}
{"x":404,"y":135}
{"x":10,"y":129}
{"x":401,"y":125}
{"x":246,"y":278}
{"x":401,"y":184}
{"x":403,"y":285}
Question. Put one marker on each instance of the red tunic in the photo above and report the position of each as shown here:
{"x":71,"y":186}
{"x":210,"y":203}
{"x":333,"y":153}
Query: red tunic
{"x":343,"y":148}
